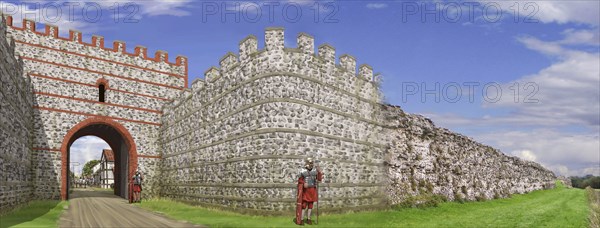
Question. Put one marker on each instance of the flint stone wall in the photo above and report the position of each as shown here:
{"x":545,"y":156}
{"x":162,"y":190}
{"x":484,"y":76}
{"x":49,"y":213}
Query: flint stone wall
{"x":65,"y":73}
{"x":425,"y":159}
{"x":16,"y":101}
{"x":238,"y":138}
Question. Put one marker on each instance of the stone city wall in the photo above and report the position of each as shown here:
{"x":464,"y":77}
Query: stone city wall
{"x":238,"y":138}
{"x":16,"y":125}
{"x":425,"y":159}
{"x":66,"y":73}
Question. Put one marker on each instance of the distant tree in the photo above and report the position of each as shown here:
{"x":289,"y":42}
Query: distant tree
{"x":87,"y":168}
{"x":585,"y":181}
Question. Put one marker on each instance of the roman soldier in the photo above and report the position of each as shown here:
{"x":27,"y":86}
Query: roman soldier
{"x":307,"y":191}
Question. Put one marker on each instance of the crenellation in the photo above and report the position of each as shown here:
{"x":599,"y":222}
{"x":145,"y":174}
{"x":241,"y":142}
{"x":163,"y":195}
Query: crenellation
{"x":52,"y":31}
{"x":348,"y":63}
{"x":274,"y":39}
{"x":365,"y":71}
{"x":64,"y":71}
{"x":29,"y":25}
{"x":75,"y":36}
{"x":7,"y":18}
{"x":119,"y":46}
{"x":16,"y":126}
{"x":181,"y":61}
{"x":327,"y":53}
{"x":197,"y":85}
{"x":248,"y":46}
{"x":378,"y":79}
{"x":161,"y":56}
{"x":141,"y":51}
{"x":226,"y":142}
{"x":228,"y":61}
{"x":212,"y":74}
{"x":306,"y":43}
{"x":98,"y":41}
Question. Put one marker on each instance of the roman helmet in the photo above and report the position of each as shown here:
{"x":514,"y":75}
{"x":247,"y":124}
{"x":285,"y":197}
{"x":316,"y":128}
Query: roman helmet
{"x":308,"y":163}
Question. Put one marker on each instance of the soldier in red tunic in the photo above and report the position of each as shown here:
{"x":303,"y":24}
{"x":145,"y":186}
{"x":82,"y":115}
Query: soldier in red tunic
{"x":308,"y":178}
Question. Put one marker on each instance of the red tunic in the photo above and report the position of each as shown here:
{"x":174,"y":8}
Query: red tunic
{"x":310,"y":194}
{"x":137,"y":188}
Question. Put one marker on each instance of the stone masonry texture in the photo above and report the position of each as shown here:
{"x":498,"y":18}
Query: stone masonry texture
{"x":237,"y":139}
{"x":65,"y":73}
{"x":16,"y":126}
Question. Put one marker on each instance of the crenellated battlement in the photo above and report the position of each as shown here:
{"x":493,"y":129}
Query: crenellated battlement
{"x":212,"y":74}
{"x":97,"y":42}
{"x":4,"y":24}
{"x":260,"y":111}
{"x":228,"y":61}
{"x":248,"y":46}
{"x":274,"y":46}
{"x":3,"y":27}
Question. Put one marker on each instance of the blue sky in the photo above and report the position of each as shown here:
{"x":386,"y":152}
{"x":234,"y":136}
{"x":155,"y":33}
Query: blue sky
{"x":550,"y":49}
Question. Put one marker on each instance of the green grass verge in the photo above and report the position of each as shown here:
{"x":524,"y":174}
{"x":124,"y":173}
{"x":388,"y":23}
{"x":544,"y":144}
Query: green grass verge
{"x":559,"y":207}
{"x":593,"y":196}
{"x":35,"y":214}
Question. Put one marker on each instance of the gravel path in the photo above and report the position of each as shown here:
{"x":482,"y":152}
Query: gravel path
{"x":89,"y":208}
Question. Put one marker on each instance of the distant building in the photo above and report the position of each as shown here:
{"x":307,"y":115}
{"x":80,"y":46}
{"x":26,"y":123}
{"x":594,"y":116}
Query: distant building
{"x":96,"y":175}
{"x":107,"y":162}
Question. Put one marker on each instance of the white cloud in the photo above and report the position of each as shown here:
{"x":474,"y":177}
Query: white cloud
{"x":567,"y":11}
{"x":525,"y":154}
{"x":568,"y":91}
{"x":302,"y":2}
{"x":558,"y":149}
{"x":69,"y":14}
{"x":561,"y":12}
{"x":85,"y":149}
{"x":376,"y":5}
{"x":164,"y":7}
{"x":581,"y":36}
{"x":562,"y":130}
{"x":562,"y":152}
{"x":22,"y":11}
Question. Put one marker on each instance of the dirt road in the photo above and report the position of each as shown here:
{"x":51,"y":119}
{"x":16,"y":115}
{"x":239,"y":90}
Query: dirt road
{"x":89,"y":208}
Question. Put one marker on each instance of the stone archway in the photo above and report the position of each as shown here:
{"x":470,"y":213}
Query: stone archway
{"x":117,"y":137}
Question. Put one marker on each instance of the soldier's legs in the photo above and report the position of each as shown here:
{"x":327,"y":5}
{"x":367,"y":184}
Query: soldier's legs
{"x":302,"y":216}
{"x":309,"y":207}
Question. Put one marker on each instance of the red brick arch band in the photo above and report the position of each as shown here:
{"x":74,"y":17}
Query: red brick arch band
{"x":64,"y":149}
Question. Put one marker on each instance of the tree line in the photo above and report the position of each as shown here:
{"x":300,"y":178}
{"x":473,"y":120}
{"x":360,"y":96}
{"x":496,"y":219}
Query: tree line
{"x":585,"y":181}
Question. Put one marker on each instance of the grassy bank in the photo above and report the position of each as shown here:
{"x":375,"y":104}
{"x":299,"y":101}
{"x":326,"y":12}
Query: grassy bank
{"x":593,"y":196}
{"x":35,"y":214}
{"x":560,"y":207}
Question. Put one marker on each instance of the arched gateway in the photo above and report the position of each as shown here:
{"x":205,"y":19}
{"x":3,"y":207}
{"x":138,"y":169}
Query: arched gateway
{"x":82,"y":89}
{"x":119,"y":140}
{"x":236,"y":139}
